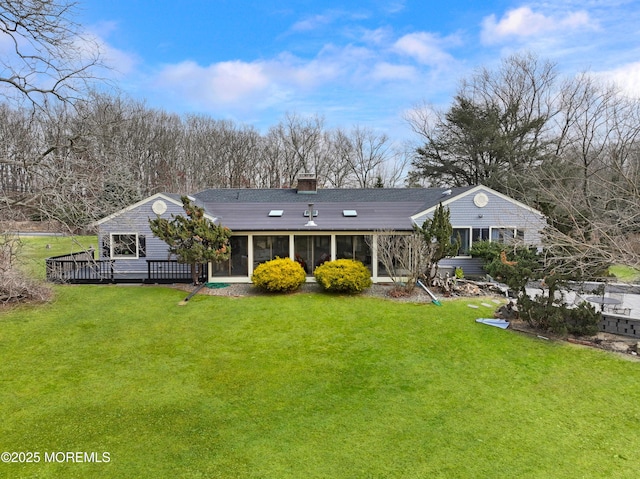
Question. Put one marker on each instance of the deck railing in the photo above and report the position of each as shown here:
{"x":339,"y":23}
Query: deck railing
{"x":170,"y":271}
{"x":81,"y":268}
{"x":62,"y":268}
{"x":79,"y":271}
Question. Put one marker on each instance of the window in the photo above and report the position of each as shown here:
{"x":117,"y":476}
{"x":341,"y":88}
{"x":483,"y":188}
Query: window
{"x":312,"y":251}
{"x":506,"y":235}
{"x":237,"y":265}
{"x":354,"y":247}
{"x":126,"y":246}
{"x":462,"y":235}
{"x":480,"y":234}
{"x":468,"y":236}
{"x":266,"y":248}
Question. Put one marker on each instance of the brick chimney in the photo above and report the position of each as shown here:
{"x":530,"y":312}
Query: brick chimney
{"x":307,"y":184}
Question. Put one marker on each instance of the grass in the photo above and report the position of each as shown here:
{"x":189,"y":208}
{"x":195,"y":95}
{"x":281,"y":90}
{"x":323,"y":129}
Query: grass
{"x":35,"y":249}
{"x":626,"y":274}
{"x":313,"y":386}
{"x":303,"y":385}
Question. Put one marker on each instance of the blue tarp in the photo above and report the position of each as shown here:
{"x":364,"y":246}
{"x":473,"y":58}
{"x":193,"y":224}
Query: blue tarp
{"x":498,"y":323}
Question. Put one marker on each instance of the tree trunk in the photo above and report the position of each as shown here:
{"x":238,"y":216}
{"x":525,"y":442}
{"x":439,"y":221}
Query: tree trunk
{"x":194,"y":273}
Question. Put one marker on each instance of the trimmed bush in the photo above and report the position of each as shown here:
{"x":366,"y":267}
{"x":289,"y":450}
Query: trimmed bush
{"x":280,"y":275}
{"x":343,"y":276}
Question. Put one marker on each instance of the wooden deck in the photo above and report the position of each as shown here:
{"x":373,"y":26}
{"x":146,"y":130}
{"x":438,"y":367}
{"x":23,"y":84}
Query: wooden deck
{"x":81,"y":268}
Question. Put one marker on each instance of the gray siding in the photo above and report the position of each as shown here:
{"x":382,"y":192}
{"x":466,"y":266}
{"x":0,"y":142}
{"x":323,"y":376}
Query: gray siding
{"x":498,"y":212}
{"x":136,"y":220}
{"x":471,"y":267}
{"x":374,"y":213}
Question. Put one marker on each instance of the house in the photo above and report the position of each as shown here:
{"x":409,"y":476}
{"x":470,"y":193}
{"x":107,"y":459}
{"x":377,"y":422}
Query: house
{"x":314,"y":225}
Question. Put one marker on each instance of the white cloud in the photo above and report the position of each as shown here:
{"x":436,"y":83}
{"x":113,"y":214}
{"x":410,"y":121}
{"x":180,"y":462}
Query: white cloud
{"x":379,"y":36}
{"x":425,"y":47}
{"x":626,"y":77}
{"x":318,"y":21}
{"x":220,"y":83}
{"x":240,"y":86}
{"x":118,"y":61}
{"x":524,"y":23}
{"x":385,"y":71}
{"x":395,"y":6}
{"x":312,"y":23}
{"x":91,"y":44}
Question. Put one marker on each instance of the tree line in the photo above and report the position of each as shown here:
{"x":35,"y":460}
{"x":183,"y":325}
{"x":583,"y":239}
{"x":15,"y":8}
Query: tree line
{"x":567,"y":146}
{"x":79,"y":163}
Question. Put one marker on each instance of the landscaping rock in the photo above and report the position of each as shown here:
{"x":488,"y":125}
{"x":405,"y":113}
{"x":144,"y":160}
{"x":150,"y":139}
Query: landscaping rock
{"x":467,"y":289}
{"x":619,"y":347}
{"x":508,"y":311}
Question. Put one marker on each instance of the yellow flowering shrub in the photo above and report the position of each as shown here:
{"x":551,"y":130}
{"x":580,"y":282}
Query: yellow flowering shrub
{"x":280,"y":275}
{"x":343,"y":275}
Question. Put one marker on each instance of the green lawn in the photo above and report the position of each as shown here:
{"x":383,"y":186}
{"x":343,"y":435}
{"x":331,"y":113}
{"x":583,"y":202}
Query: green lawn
{"x":300,"y":386}
{"x":304,"y":386}
{"x":625,"y":274}
{"x":35,"y":249}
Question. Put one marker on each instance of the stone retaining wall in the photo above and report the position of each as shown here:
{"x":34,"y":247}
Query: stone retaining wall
{"x":620,"y":324}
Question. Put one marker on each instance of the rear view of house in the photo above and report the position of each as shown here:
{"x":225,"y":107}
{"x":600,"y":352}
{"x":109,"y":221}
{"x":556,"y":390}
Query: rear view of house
{"x":312,"y":226}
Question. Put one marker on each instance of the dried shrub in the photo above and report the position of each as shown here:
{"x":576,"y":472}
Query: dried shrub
{"x":399,"y":291}
{"x":280,"y":275}
{"x":15,"y":287}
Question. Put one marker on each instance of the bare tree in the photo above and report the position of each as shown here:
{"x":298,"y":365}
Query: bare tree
{"x":405,"y":257}
{"x":338,"y":173}
{"x":369,"y":151}
{"x":303,"y":147}
{"x":569,"y":148}
{"x":591,"y":188}
{"x":47,"y":55}
{"x":269,"y":169}
{"x":15,"y":286}
{"x":392,"y":172}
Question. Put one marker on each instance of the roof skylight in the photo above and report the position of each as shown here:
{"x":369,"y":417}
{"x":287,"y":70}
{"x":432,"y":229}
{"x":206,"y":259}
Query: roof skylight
{"x":276,"y":213}
{"x":349,"y":213}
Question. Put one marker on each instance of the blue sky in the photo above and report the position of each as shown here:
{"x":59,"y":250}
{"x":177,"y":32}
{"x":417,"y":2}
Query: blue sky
{"x":354,"y":63}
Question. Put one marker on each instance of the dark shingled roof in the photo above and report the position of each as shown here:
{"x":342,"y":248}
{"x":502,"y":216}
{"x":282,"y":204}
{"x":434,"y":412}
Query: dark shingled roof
{"x":377,"y":208}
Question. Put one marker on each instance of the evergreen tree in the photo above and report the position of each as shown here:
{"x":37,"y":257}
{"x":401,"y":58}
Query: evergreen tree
{"x":194,"y":239}
{"x":438,"y":233}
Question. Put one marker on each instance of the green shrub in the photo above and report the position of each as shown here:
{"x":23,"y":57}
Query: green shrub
{"x":280,"y":275}
{"x":343,"y":276}
{"x":459,"y":273}
{"x":583,"y":320}
{"x":543,"y":314}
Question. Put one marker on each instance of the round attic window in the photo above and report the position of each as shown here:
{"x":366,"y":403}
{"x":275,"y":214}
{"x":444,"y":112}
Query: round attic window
{"x":159,"y":207}
{"x":481,"y":200}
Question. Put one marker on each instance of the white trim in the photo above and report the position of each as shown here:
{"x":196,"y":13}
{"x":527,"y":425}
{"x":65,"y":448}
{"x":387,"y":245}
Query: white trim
{"x":250,"y":256}
{"x":471,"y":192}
{"x":470,"y":233}
{"x":157,"y":196}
